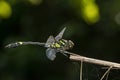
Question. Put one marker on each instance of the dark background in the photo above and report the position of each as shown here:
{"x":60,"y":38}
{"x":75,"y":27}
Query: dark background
{"x":96,"y":36}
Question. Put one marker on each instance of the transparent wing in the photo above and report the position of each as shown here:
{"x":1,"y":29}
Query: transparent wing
{"x":50,"y":40}
{"x":51,"y":54}
{"x":59,"y":36}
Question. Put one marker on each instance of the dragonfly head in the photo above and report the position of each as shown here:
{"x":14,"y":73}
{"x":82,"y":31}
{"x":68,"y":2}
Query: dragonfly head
{"x":70,"y":43}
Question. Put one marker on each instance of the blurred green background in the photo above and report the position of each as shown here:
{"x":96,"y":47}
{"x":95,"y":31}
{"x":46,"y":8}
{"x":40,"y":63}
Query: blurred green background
{"x":93,"y":25}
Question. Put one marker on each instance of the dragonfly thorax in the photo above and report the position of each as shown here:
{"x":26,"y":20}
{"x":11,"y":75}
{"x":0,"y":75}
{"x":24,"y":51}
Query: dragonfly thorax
{"x":62,"y":44}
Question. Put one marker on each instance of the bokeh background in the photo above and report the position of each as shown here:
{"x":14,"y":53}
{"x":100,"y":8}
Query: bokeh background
{"x":93,"y":25}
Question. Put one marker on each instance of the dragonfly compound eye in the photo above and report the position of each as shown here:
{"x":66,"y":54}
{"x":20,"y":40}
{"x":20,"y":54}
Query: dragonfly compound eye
{"x":71,"y":44}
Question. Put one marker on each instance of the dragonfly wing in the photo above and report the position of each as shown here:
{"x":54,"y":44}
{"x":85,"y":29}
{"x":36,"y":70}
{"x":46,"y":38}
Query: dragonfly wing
{"x":49,"y":41}
{"x":51,"y":53}
{"x":59,"y":36}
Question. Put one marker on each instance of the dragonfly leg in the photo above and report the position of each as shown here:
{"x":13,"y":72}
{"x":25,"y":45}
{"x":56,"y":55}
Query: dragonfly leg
{"x":63,"y":52}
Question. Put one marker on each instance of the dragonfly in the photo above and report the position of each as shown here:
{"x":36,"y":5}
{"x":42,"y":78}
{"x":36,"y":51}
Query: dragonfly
{"x":53,"y":45}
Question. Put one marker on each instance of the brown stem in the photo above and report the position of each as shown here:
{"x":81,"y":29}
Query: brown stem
{"x":80,"y":58}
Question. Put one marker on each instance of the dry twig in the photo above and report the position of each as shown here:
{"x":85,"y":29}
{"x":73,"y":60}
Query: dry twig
{"x":81,"y":68}
{"x":80,"y":58}
{"x":106,"y":73}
